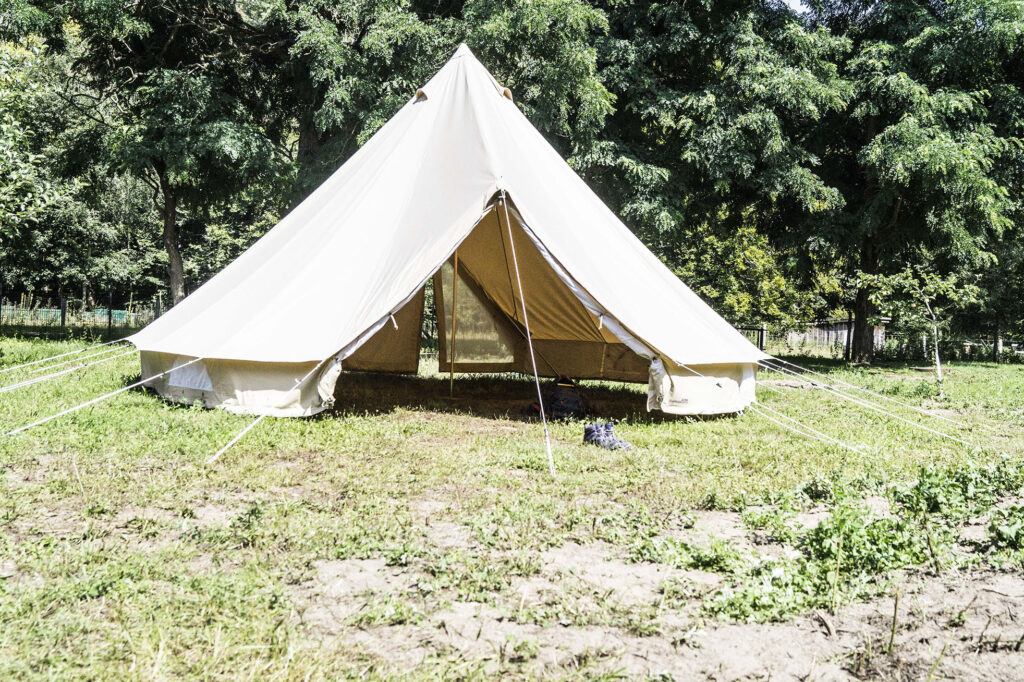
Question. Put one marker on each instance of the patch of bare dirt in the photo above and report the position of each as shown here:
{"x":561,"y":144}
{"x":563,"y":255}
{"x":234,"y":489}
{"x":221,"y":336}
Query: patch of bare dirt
{"x":978,"y":619}
{"x":440,"y":532}
{"x":340,"y":589}
{"x":626,"y":583}
{"x":209,"y":515}
{"x":967,"y":627}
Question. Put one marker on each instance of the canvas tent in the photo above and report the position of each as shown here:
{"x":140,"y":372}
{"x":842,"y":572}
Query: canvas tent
{"x":457,"y":187}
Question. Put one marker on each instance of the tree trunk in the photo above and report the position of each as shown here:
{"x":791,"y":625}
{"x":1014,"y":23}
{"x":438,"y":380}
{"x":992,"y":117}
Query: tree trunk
{"x":169,"y":212}
{"x":938,"y":360}
{"x":863,"y":330}
{"x":309,"y":138}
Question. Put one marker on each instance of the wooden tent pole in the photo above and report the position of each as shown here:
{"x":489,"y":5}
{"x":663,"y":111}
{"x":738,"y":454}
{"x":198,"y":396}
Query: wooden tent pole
{"x":451,"y":346}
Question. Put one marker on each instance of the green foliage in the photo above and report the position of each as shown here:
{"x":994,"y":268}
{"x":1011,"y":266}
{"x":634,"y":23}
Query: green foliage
{"x":767,"y":158}
{"x":39,"y":215}
{"x":543,"y":52}
{"x":920,"y":300}
{"x":1006,"y":529}
{"x":773,"y":521}
{"x":961,"y":492}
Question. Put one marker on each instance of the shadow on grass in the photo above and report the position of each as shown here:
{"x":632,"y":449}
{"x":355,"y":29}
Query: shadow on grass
{"x":490,"y":396}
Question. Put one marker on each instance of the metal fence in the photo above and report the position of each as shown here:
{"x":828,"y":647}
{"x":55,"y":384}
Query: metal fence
{"x":833,"y":340}
{"x":59,"y":319}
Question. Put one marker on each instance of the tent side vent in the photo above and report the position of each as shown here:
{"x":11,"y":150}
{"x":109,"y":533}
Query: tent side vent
{"x":420,"y":95}
{"x":507,"y":94}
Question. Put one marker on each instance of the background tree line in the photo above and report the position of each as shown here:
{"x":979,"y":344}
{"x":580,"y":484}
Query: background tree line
{"x":783,"y":164}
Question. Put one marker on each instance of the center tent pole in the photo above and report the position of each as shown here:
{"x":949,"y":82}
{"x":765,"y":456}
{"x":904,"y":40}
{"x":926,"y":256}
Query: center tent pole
{"x":529,"y":336}
{"x":451,"y":346}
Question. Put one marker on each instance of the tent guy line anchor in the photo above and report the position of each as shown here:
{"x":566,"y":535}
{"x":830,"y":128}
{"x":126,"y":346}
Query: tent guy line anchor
{"x":96,"y":400}
{"x":529,"y":337}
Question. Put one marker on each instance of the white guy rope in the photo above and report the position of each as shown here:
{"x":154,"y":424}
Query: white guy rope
{"x":871,"y":406}
{"x":47,"y":377}
{"x":885,"y":397}
{"x":816,"y":434}
{"x":863,"y":402}
{"x":529,"y":337}
{"x":237,"y":438}
{"x":62,"y":355}
{"x":96,"y":400}
{"x":797,"y":431}
{"x":47,"y":368}
{"x":823,"y":437}
{"x":258,"y":419}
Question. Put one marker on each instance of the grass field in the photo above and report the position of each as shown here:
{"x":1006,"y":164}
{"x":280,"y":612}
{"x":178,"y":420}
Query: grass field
{"x":406,"y":534}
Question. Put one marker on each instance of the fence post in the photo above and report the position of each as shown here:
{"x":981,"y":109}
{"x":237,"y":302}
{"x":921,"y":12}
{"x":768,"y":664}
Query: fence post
{"x":156,"y":312}
{"x":1,"y":302}
{"x":63,"y":311}
{"x":848,"y":348}
{"x":110,"y":315}
{"x":762,"y":337}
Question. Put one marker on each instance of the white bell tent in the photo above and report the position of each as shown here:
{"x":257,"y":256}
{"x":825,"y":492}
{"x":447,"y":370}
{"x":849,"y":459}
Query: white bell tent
{"x":531,"y":273}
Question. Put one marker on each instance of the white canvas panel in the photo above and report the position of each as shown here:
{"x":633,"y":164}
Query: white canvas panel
{"x":701,"y":389}
{"x":192,"y":376}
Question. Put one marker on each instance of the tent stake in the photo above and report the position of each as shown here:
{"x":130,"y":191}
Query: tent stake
{"x":529,"y":337}
{"x":451,"y":346}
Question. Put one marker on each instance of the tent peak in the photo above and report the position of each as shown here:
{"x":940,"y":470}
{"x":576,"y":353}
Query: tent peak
{"x":463,"y":51}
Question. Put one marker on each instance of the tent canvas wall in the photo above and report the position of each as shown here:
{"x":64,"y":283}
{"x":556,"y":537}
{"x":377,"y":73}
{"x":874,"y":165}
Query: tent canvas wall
{"x":457,"y":180}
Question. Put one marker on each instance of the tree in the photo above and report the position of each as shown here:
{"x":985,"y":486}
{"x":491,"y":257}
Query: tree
{"x":1000,"y":303}
{"x":917,"y":150}
{"x":44,"y":228}
{"x":921,"y":301}
{"x":716,"y":107}
{"x":25,"y":191}
{"x":155,"y":85}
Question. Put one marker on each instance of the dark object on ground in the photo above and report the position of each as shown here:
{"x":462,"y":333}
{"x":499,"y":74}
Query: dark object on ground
{"x":603,"y":434}
{"x":562,"y":400}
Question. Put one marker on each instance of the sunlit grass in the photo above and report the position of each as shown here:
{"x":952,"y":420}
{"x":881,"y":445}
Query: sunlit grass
{"x":125,"y":555}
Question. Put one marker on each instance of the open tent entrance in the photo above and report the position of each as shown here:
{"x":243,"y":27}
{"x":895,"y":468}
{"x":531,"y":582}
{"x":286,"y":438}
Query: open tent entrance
{"x":480,"y":316}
